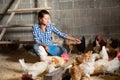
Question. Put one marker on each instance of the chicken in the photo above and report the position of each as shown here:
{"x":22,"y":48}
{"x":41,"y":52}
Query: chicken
{"x":115,"y":42}
{"x":26,"y":76}
{"x":103,"y":65}
{"x":71,"y":46}
{"x":100,"y":40}
{"x":76,"y":71}
{"x":81,"y":47}
{"x":88,"y":67}
{"x":35,"y":69}
{"x":97,"y":48}
{"x":89,"y":46}
{"x":103,"y":53}
{"x":83,"y":58}
{"x":55,"y":60}
{"x":111,"y":51}
{"x":100,"y":66}
{"x":113,"y":65}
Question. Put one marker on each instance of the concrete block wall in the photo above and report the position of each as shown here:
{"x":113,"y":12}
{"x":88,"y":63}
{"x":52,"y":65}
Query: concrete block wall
{"x":74,"y":17}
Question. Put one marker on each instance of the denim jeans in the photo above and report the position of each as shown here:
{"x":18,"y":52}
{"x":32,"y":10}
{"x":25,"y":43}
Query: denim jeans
{"x":52,"y":50}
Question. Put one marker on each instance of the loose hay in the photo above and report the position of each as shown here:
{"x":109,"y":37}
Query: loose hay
{"x":10,"y":68}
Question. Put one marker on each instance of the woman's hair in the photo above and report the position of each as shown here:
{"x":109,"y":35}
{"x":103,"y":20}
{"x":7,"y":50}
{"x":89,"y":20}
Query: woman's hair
{"x":42,"y":13}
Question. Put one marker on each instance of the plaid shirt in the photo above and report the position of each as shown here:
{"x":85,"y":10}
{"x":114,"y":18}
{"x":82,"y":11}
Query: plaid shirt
{"x":46,"y":37}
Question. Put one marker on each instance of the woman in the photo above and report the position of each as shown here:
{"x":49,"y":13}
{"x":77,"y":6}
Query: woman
{"x":42,"y":33}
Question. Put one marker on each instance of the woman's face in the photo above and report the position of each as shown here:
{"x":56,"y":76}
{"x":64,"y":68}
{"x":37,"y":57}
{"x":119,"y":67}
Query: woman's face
{"x":45,"y":20}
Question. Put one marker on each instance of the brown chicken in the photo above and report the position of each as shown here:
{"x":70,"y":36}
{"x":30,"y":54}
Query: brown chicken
{"x":83,"y":58}
{"x":112,"y":53}
{"x":76,"y":71}
{"x":97,"y":48}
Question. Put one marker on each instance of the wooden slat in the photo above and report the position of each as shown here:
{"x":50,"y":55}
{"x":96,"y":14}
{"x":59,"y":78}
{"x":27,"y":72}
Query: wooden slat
{"x":28,"y":9}
{"x":56,"y":75}
{"x":16,"y":42}
{"x":16,"y":25}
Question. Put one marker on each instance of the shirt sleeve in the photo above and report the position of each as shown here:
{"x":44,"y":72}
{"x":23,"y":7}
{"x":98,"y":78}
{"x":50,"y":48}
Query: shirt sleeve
{"x":35,"y":34}
{"x":58,"y":32}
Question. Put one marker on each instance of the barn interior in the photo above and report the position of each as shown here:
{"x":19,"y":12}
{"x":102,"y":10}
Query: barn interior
{"x":95,"y":22}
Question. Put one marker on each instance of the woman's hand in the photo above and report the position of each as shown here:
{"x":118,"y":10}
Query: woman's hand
{"x":77,"y":41}
{"x":46,"y":48}
{"x":73,"y":39}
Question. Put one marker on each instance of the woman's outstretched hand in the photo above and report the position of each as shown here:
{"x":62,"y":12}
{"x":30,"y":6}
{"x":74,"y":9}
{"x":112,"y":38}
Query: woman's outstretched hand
{"x":78,"y":41}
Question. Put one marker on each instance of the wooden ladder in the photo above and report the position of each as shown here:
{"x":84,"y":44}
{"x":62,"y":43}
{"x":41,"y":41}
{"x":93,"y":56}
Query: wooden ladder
{"x":12,"y":13}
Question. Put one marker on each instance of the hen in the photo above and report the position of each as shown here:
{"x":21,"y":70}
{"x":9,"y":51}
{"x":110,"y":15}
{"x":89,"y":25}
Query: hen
{"x":111,"y":51}
{"x":113,"y":65}
{"x":82,"y":46}
{"x":76,"y":71}
{"x":97,"y":48}
{"x":88,"y":67}
{"x":83,"y":58}
{"x":34,"y":69}
{"x":104,"y":54}
{"x":55,"y":60}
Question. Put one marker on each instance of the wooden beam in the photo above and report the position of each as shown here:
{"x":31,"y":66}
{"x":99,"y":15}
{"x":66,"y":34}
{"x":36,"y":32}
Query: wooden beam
{"x":16,"y":42}
{"x":28,"y":9}
{"x":16,"y":25}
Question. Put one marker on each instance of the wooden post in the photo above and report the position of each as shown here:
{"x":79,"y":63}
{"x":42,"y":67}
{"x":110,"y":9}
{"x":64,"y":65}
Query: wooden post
{"x":8,"y":21}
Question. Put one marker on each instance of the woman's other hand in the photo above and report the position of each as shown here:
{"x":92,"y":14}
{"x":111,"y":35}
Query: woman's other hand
{"x":46,"y":48}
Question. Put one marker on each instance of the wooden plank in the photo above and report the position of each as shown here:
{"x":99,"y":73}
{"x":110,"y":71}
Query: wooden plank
{"x":16,"y":42}
{"x":9,"y":19}
{"x":58,"y":74}
{"x":28,"y":9}
{"x":16,"y":25}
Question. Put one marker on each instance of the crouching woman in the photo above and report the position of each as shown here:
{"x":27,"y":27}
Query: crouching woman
{"x":42,"y":33}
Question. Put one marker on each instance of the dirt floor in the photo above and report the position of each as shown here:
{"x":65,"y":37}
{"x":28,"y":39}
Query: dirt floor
{"x":10,"y":68}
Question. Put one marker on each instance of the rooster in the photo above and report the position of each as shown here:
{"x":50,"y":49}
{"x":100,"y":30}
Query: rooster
{"x":35,"y":69}
{"x":100,"y":40}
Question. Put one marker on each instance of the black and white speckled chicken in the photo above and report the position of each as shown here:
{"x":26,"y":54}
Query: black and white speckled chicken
{"x":82,"y":46}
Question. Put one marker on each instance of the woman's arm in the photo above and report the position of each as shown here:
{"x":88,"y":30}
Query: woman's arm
{"x":65,"y":36}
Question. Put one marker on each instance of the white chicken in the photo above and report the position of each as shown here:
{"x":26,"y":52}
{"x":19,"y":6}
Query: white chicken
{"x":100,"y":64}
{"x":113,"y":65}
{"x":88,"y":67}
{"x":34,"y":69}
{"x":103,"y":53}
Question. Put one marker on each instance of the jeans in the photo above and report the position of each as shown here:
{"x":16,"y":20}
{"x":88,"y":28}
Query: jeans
{"x":52,"y":50}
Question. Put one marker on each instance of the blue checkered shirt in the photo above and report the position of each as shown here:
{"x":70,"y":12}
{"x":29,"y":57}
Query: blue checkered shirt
{"x":46,"y":37}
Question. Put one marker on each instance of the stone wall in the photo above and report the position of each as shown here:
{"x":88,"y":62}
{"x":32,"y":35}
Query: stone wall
{"x":74,"y":17}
